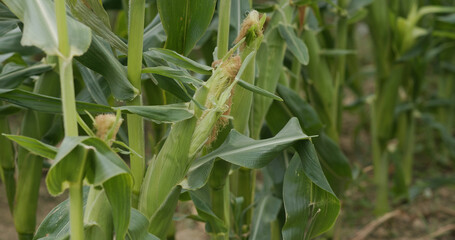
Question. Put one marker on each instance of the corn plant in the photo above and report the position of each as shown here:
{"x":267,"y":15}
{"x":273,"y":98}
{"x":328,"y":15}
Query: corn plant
{"x":204,"y":75}
{"x":396,"y":71}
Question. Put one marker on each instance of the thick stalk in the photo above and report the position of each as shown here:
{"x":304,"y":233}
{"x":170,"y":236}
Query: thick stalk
{"x":247,"y":182}
{"x":224,"y":12}
{"x":66,"y":72}
{"x":341,"y":38}
{"x":406,"y":140}
{"x":220,"y":194}
{"x":7,"y":163}
{"x":380,"y":168}
{"x":380,"y":128}
{"x":135,"y":122}
{"x":69,"y":114}
{"x":76,"y":214}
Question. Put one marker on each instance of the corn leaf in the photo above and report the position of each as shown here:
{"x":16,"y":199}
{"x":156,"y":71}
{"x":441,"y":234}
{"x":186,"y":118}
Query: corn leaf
{"x":92,"y":14}
{"x":138,"y":228}
{"x":161,"y":113}
{"x":13,"y":78}
{"x":80,"y":156}
{"x":296,"y":46}
{"x":201,"y":200}
{"x":93,"y":85}
{"x":32,"y":145}
{"x":100,"y":59}
{"x":264,"y":214}
{"x":162,"y":219}
{"x":308,"y":118}
{"x":185,"y":21}
{"x":246,"y":152}
{"x":8,"y":21}
{"x":173,"y":73}
{"x":269,"y":56}
{"x":179,"y":60}
{"x":56,"y":225}
{"x":310,"y":208}
{"x":44,"y":103}
{"x":258,"y":90}
{"x":11,"y":43}
{"x":40,"y":27}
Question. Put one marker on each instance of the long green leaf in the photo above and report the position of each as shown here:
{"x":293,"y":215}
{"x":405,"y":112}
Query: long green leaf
{"x":44,"y":103}
{"x":138,"y":228}
{"x":295,"y":44}
{"x":173,"y":73}
{"x":258,"y":90}
{"x":246,"y":152}
{"x":179,"y":60}
{"x":40,"y":27}
{"x":12,"y":79}
{"x":310,"y":210}
{"x":185,"y":21}
{"x":56,"y":225}
{"x":161,"y":220}
{"x":100,"y":59}
{"x":80,"y":156}
{"x":37,"y":147}
{"x":161,"y":113}
{"x":92,"y":14}
{"x":266,"y":212}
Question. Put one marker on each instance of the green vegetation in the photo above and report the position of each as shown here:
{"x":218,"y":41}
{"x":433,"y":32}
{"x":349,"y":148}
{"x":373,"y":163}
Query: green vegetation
{"x":235,"y":106}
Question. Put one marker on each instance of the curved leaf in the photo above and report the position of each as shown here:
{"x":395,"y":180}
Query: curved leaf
{"x":34,"y":146}
{"x":185,"y":21}
{"x":295,"y":44}
{"x":40,"y":27}
{"x":179,"y":75}
{"x":45,"y":103}
{"x":161,"y":113}
{"x":265,"y":213}
{"x":100,"y":59}
{"x":56,"y":225}
{"x":92,"y":14}
{"x":258,"y":90}
{"x":246,"y":152}
{"x":138,"y":228}
{"x":78,"y":157}
{"x":179,"y":60}
{"x":12,"y":79}
{"x":310,"y":210}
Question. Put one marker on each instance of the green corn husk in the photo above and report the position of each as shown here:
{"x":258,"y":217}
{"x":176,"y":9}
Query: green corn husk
{"x":185,"y":140}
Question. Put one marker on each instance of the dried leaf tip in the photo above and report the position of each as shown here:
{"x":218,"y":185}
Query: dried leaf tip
{"x":107,"y":124}
{"x":251,"y":27}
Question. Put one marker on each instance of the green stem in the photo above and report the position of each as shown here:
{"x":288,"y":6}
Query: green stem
{"x":7,"y":163}
{"x":76,"y":214}
{"x":66,"y":72}
{"x":247,"y":179}
{"x":380,"y":167}
{"x":135,"y":122}
{"x":224,"y":11}
{"x":25,"y":236}
{"x":69,"y":114}
{"x":342,"y":34}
